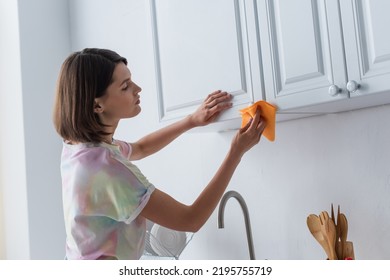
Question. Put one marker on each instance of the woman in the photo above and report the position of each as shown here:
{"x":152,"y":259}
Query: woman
{"x":106,"y":198}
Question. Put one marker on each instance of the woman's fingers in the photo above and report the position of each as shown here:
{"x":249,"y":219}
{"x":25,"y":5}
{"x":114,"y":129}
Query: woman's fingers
{"x":216,"y":98}
{"x":215,"y":103}
{"x":211,"y":96}
{"x":246,"y":127}
{"x":211,"y":107}
{"x":261,"y":126}
{"x":255,"y":120}
{"x":257,"y":126}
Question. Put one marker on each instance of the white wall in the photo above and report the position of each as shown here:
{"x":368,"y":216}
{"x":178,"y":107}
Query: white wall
{"x":44,"y":41}
{"x":342,"y":159}
{"x":30,"y":61}
{"x":13,"y":186}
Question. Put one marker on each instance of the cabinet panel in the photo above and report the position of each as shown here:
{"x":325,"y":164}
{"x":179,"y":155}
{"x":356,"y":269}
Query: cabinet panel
{"x":367,"y":43}
{"x":302,"y":52}
{"x":200,"y":46}
{"x":292,"y":65}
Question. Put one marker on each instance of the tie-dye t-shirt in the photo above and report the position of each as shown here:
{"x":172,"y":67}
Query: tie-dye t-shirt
{"x":103,"y":195}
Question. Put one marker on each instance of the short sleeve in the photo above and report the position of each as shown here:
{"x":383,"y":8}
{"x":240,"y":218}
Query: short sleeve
{"x":117,"y":199}
{"x":117,"y":193}
{"x":125,"y":148}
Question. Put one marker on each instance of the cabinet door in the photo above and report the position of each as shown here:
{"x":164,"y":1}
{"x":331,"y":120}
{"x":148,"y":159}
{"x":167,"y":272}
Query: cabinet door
{"x":302,"y":51}
{"x":366,"y":26}
{"x":201,"y":46}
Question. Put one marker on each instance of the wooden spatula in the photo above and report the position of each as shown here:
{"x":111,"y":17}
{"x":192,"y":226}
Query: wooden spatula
{"x":328,"y":230}
{"x":314,"y":225}
{"x":343,"y":234}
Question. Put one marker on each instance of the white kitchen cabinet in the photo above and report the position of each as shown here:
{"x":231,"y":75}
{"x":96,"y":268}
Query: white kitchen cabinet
{"x":201,"y":46}
{"x":307,"y":57}
{"x":366,"y":26}
{"x":323,"y":56}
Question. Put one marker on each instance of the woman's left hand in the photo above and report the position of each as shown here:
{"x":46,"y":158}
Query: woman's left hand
{"x":212,"y":106}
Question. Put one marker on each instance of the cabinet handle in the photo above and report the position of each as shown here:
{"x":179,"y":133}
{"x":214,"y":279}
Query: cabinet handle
{"x":334,"y":90}
{"x":352,"y":86}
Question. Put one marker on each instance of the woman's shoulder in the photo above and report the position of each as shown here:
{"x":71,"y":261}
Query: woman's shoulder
{"x":124,"y":147}
{"x":91,"y":158}
{"x":86,"y":154}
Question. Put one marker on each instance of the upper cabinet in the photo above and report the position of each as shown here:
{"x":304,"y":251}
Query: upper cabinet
{"x":367,"y":45}
{"x":306,"y":57}
{"x":201,"y":46}
{"x":325,"y":55}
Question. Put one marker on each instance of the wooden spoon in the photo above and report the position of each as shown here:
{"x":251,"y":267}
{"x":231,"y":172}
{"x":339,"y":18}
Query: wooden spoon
{"x":328,"y":230}
{"x":314,"y":225}
{"x":332,"y":214}
{"x":339,"y":251}
{"x":343,"y":233}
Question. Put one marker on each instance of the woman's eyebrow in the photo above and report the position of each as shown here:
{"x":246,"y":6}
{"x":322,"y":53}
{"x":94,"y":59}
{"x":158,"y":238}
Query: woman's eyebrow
{"x":124,"y":81}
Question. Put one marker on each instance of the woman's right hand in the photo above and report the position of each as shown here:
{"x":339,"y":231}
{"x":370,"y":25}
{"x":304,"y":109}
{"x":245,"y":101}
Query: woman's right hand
{"x":249,"y":135}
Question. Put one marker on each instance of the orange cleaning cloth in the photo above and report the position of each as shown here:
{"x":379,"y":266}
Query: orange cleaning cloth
{"x":268,"y":113}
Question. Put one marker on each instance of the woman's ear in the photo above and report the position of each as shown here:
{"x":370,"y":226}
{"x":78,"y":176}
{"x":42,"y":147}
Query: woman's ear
{"x":97,"y":107}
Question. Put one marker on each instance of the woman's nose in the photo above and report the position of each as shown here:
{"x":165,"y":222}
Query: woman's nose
{"x":139,"y":89}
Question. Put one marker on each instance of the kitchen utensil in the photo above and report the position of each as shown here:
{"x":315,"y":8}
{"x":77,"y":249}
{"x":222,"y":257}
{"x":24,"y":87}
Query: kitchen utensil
{"x":314,"y":225}
{"x":343,"y":232}
{"x":328,"y":230}
{"x":338,"y":233}
{"x":338,"y":228}
{"x":332,"y":214}
{"x":348,"y":251}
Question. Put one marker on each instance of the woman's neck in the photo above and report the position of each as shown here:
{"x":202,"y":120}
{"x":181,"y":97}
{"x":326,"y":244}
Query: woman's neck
{"x":109,"y":139}
{"x":110,"y":130}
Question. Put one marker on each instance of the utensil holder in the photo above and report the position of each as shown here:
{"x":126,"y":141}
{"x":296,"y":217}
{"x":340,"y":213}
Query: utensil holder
{"x":348,"y":250}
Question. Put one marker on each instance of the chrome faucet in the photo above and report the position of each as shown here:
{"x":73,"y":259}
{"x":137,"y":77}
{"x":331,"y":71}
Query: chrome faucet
{"x":244,"y":208}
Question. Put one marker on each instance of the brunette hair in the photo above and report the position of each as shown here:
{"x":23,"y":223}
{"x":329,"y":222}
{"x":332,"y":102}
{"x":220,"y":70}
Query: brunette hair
{"x":84,"y":76}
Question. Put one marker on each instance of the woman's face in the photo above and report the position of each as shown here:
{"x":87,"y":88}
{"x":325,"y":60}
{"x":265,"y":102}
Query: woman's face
{"x":121,"y":99}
